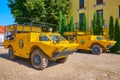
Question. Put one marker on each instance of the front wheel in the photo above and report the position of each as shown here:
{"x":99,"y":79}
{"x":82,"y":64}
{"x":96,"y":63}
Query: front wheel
{"x":11,"y":53}
{"x":38,"y":60}
{"x":96,"y":49}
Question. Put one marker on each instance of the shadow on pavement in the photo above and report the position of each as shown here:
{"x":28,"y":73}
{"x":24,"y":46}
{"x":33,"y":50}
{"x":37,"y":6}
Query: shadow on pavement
{"x":89,"y":52}
{"x":84,"y":52}
{"x":23,"y":61}
{"x":116,"y":53}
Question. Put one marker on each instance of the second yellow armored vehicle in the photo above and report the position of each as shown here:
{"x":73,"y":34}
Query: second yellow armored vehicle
{"x":96,"y":44}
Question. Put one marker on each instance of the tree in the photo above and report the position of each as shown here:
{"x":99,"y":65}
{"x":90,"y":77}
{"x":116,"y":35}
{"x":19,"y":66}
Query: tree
{"x":53,"y":6}
{"x":94,"y":25}
{"x":43,"y":10}
{"x":18,"y":9}
{"x":37,"y":9}
{"x":64,"y":24}
{"x":71,"y":26}
{"x":99,"y":24}
{"x":119,"y":40}
{"x":117,"y":35}
{"x":60,"y":22}
{"x":111,"y":28}
{"x":83,"y":23}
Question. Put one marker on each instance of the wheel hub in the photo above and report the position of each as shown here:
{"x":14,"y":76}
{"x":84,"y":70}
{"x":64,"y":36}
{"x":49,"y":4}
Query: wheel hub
{"x":37,"y":59}
{"x":96,"y":49}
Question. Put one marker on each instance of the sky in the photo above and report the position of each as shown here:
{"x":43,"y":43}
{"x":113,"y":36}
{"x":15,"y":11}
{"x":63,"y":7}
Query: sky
{"x":6,"y":17}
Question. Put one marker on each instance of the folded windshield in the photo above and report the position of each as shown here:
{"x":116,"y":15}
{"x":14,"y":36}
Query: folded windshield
{"x":100,"y":38}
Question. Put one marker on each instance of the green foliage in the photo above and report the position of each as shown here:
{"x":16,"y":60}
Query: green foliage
{"x":68,"y":27}
{"x":18,"y":9}
{"x":43,"y":10}
{"x":60,"y":22}
{"x":36,"y":8}
{"x":119,"y":40}
{"x":83,"y":24}
{"x":53,"y":6}
{"x":71,"y":26}
{"x":97,"y":24}
{"x":94,"y":24}
{"x":116,"y":30}
{"x":64,"y":24}
{"x":117,"y":37}
{"x":111,"y":28}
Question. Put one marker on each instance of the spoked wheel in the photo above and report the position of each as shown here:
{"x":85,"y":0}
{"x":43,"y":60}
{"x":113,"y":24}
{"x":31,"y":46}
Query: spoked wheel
{"x":38,"y":60}
{"x":96,"y":49}
{"x":11,"y":53}
{"x":62,"y":60}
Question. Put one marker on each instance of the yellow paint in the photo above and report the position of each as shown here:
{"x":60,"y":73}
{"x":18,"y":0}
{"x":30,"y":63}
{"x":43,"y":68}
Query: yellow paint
{"x":21,"y":28}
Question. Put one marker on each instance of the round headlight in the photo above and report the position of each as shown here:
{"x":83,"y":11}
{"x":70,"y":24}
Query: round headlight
{"x":54,"y":42}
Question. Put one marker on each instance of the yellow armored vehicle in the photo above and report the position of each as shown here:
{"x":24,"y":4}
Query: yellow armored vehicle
{"x":35,"y":43}
{"x":96,"y":44}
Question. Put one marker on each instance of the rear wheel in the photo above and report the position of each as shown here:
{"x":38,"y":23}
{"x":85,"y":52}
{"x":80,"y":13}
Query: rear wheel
{"x":62,"y":60}
{"x":11,"y":53}
{"x":96,"y":49}
{"x":38,"y":60}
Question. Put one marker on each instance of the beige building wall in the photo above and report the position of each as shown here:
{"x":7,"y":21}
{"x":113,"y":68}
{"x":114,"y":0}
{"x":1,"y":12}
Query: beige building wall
{"x":109,"y":7}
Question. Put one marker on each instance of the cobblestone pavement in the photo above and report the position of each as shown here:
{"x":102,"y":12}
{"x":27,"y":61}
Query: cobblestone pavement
{"x":79,"y":66}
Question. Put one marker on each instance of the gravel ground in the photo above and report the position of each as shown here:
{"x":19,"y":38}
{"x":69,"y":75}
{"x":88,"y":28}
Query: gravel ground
{"x":79,"y":66}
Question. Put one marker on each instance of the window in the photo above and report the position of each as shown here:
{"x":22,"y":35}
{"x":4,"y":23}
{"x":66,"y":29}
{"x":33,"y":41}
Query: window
{"x":81,"y":4}
{"x":99,"y":38}
{"x":81,"y":17}
{"x":44,"y":38}
{"x":9,"y":35}
{"x":119,"y":12}
{"x":99,"y":2}
{"x":100,"y":12}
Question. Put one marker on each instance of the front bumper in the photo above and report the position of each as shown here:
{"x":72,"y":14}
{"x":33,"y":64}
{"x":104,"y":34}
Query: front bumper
{"x":64,"y":53}
{"x":110,"y":46}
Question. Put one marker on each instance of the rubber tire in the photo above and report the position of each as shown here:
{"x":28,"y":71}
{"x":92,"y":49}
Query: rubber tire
{"x":62,"y":60}
{"x":98,"y":47}
{"x":11,"y":53}
{"x":43,"y":61}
